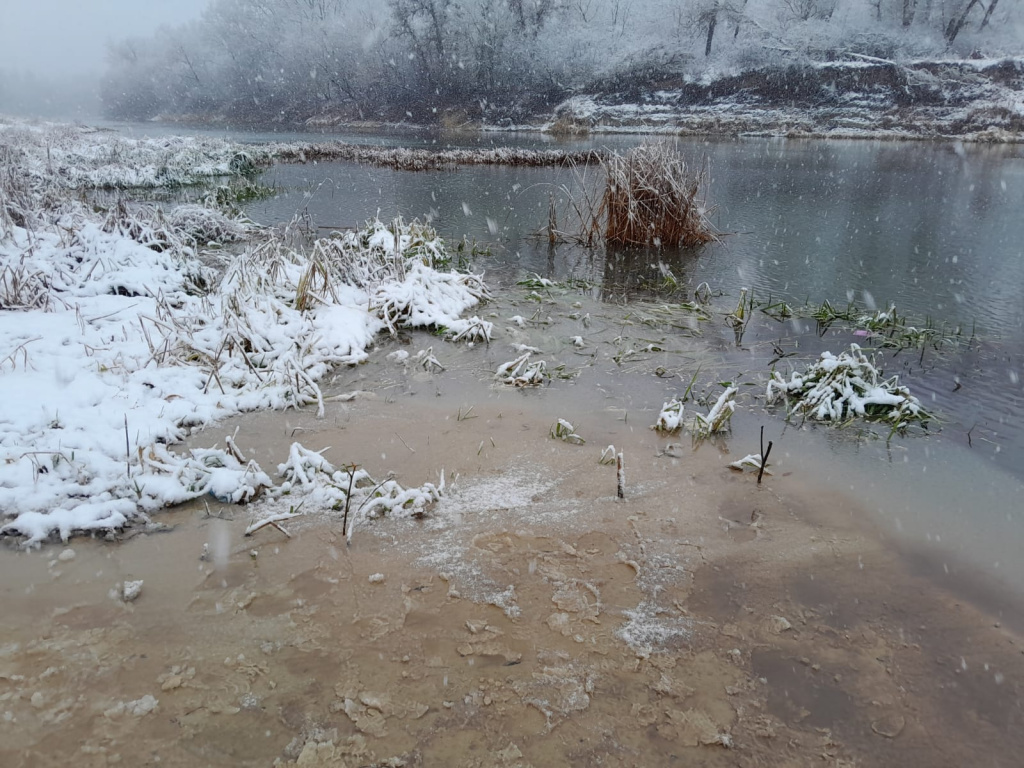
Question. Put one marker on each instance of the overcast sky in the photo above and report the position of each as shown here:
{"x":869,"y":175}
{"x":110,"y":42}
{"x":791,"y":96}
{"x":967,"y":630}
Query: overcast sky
{"x":61,"y":37}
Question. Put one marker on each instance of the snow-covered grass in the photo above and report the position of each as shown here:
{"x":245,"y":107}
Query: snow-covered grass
{"x":671,"y":417}
{"x":839,"y":388}
{"x":78,"y":157}
{"x":718,"y":417}
{"x":312,"y":484}
{"x":117,"y":339}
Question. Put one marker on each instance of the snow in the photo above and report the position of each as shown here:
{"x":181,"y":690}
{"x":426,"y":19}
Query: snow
{"x":131,"y":590}
{"x":671,"y":417}
{"x":839,"y":387}
{"x":931,"y":98}
{"x":117,"y":340}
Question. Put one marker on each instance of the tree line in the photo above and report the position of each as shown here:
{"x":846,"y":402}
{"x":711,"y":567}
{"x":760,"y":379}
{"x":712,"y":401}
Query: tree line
{"x":448,"y":60}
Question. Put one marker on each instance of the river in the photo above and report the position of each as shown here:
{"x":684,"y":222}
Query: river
{"x":861,"y":607}
{"x":933,"y":228}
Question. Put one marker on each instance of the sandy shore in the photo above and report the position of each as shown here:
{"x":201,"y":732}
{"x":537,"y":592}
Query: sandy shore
{"x":532,"y":619}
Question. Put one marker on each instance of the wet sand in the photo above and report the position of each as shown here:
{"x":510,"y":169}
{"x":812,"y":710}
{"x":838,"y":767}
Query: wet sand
{"x":531,"y":619}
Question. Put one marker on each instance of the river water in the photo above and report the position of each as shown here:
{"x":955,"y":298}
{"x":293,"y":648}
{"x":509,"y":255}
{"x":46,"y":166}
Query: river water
{"x":933,"y":228}
{"x":533,"y":617}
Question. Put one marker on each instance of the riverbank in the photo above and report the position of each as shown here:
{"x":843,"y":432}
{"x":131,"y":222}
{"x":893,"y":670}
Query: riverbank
{"x":864,"y":98}
{"x":125,"y":329}
{"x":439,"y":580}
{"x":531,"y":618}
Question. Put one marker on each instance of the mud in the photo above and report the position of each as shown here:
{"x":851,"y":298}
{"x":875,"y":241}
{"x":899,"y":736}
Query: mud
{"x":531,"y":619}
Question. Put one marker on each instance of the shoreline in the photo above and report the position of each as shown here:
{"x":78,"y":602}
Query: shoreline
{"x":520,"y":612}
{"x":711,"y":126}
{"x":535,"y":616}
{"x":865,"y":98}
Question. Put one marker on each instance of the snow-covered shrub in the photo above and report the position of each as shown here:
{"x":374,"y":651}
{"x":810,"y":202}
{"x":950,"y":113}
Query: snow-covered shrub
{"x":838,"y":388}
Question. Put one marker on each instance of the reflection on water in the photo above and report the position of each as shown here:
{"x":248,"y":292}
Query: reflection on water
{"x":934,"y":230}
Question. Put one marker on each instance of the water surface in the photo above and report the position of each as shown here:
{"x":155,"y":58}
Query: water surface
{"x":933,"y":228}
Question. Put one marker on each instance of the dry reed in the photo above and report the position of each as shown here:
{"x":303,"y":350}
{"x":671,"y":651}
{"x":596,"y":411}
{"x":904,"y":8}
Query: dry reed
{"x":652,"y":198}
{"x":403,"y":159}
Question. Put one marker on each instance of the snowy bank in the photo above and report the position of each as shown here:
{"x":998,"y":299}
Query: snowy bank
{"x":79,"y":157}
{"x":117,"y":339}
{"x":863,"y":98}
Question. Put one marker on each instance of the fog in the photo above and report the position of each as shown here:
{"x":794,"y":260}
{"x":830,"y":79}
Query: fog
{"x":53,"y":52}
{"x":502,"y":61}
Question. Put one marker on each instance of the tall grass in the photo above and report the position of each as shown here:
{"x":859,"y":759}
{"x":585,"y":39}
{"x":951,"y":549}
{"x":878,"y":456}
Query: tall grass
{"x":405,"y":159}
{"x":650,"y":198}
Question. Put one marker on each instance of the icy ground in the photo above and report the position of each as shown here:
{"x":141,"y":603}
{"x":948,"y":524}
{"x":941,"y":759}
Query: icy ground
{"x":117,"y":337}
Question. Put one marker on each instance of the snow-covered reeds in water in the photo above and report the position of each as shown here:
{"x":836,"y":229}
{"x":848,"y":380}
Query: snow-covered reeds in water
{"x":522,"y":372}
{"x":566,"y":432}
{"x":753,"y":462}
{"x":311,"y":483}
{"x":405,"y":159}
{"x":653,"y":198}
{"x":840,"y":387}
{"x":718,"y":417}
{"x":113,"y":317}
{"x":671,"y":417}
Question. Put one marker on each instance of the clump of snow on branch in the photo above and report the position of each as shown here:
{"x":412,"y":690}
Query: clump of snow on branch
{"x":840,"y":387}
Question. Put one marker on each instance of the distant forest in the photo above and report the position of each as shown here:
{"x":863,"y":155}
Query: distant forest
{"x":507,"y":60}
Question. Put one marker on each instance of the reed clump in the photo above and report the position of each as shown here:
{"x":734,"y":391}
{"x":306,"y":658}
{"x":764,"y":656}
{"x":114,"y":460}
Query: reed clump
{"x":569,"y":125}
{"x":405,"y":159}
{"x":652,"y":198}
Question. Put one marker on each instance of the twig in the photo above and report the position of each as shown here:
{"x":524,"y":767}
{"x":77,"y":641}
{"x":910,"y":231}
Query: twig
{"x":264,"y":524}
{"x":127,"y":449}
{"x":621,"y":476}
{"x":413,"y":450}
{"x":348,"y":498}
{"x":764,"y":456}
